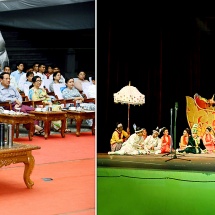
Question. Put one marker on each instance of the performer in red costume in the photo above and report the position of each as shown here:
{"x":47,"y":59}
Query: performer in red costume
{"x":208,"y":139}
{"x":166,"y":141}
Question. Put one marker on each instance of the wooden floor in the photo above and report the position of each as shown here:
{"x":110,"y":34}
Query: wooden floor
{"x":189,"y":162}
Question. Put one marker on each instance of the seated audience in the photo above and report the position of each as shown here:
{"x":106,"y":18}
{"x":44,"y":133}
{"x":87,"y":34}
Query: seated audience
{"x":70,"y":92}
{"x":25,"y":80}
{"x":80,"y":80}
{"x":19,"y":72}
{"x":12,"y":78}
{"x":119,"y":136}
{"x":9,"y":93}
{"x":56,"y":80}
{"x":52,"y":71}
{"x":36,"y":93}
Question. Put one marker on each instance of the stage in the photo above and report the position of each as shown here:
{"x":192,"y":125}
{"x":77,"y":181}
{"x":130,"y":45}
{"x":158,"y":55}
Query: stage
{"x":189,"y":162}
{"x":150,"y":184}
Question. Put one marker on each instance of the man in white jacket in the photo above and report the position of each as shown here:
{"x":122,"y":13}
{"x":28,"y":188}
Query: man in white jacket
{"x":133,"y":145}
{"x":152,"y":144}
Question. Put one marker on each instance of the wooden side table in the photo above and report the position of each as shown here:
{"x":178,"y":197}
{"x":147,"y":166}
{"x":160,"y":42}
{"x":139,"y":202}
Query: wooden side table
{"x":19,"y":153}
{"x":79,"y":116}
{"x":19,"y":119}
{"x":49,"y":116}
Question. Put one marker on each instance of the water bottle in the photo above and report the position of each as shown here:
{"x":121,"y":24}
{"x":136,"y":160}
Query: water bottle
{"x":2,"y":134}
{"x":9,"y":136}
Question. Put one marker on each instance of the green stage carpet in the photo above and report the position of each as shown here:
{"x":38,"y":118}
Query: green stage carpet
{"x":153,"y":192}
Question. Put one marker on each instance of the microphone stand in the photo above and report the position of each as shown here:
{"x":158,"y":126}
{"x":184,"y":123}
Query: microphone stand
{"x":175,"y":155}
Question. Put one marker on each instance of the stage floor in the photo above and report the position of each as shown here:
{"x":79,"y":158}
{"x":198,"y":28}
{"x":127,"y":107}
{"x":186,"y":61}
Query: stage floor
{"x":188,"y":162}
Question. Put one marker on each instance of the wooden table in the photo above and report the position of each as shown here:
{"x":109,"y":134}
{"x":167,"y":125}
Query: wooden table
{"x":19,"y":153}
{"x":19,"y":119}
{"x":79,"y":116}
{"x":49,"y":116}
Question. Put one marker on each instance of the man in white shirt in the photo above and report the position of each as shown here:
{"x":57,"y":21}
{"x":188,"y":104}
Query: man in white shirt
{"x":12,"y":78}
{"x":152,"y":144}
{"x":92,"y":89}
{"x":19,"y":72}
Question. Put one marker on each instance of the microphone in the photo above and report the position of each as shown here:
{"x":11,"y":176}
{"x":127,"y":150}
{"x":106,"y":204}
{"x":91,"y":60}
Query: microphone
{"x":176,"y":105}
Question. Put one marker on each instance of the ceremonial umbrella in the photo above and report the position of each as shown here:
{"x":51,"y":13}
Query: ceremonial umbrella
{"x":129,"y":95}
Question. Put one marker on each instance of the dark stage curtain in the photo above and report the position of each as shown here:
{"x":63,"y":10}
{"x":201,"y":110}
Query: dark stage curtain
{"x":166,"y":59}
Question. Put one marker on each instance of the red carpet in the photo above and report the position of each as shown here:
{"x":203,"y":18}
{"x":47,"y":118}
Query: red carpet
{"x":56,"y":148}
{"x":69,"y":161}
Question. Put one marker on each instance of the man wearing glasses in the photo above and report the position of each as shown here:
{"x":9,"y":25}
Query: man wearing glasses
{"x":9,"y":93}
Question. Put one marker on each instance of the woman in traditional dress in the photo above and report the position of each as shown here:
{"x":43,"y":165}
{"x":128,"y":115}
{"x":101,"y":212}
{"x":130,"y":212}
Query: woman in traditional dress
{"x":208,"y":139}
{"x":184,"y":138}
{"x":36,"y":93}
{"x":166,"y":141}
{"x":70,"y":92}
{"x":195,"y":144}
{"x":119,"y":136}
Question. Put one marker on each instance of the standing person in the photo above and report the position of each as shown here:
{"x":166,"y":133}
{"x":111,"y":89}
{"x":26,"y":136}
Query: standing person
{"x":9,"y":93}
{"x":166,"y":141}
{"x":208,"y":139}
{"x":195,"y":144}
{"x":184,"y":138}
{"x":119,"y":136}
{"x":133,"y":145}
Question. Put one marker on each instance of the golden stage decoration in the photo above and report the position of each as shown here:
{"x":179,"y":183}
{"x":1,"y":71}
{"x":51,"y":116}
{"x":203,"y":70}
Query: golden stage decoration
{"x":204,"y":117}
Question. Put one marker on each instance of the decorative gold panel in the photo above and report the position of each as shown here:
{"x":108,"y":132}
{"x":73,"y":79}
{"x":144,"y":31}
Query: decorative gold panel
{"x":203,"y":117}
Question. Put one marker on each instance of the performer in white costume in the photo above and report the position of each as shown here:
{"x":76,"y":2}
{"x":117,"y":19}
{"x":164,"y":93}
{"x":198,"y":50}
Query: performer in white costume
{"x":152,"y":144}
{"x":132,"y":146}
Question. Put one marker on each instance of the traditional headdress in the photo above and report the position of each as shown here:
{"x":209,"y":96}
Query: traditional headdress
{"x":194,"y":128}
{"x":157,"y":130}
{"x":137,"y":129}
{"x":118,"y":125}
